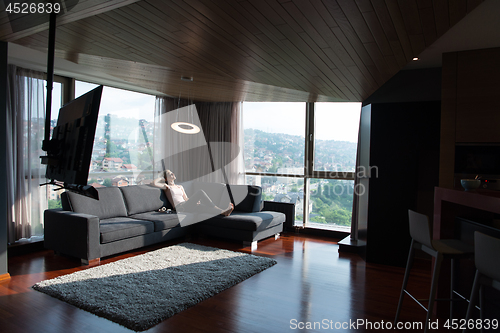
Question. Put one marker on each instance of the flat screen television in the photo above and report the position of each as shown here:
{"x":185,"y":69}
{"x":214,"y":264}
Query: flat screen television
{"x":68,"y":158}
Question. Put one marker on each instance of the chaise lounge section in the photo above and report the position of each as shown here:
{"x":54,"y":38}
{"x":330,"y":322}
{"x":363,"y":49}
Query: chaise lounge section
{"x":126,"y":218}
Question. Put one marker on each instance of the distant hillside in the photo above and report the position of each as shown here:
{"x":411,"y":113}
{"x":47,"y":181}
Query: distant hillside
{"x":274,"y":150}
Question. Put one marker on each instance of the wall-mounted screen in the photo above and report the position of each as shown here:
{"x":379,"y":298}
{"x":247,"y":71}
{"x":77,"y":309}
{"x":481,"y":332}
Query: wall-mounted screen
{"x":73,"y":139}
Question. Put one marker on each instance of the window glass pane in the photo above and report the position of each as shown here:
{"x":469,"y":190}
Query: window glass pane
{"x":274,"y":137}
{"x":330,"y":204}
{"x":281,"y":189}
{"x":56,"y":101}
{"x":275,"y":143}
{"x":124,"y":137}
{"x":336,"y":126}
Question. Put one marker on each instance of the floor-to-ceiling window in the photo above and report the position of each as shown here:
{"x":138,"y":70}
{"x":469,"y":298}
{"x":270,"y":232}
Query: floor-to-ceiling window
{"x":335,"y":129}
{"x":304,"y":153}
{"x":123,"y":144}
{"x":274,"y":150}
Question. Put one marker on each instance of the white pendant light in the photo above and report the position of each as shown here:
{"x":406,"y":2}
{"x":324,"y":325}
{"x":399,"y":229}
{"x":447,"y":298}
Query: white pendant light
{"x":186,"y":128}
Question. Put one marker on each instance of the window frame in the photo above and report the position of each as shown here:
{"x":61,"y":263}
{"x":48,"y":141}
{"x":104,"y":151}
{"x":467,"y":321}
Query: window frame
{"x":309,"y":172}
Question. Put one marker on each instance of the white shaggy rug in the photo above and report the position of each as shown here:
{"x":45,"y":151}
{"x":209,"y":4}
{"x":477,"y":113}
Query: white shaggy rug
{"x":141,"y":291}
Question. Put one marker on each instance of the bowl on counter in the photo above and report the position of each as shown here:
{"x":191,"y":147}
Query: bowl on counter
{"x":470,"y":184}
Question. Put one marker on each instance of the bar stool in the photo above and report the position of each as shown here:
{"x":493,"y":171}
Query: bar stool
{"x":487,"y":260}
{"x":420,"y":232}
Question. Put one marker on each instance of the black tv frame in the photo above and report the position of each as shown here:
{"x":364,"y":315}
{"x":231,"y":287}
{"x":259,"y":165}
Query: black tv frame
{"x":69,"y":152}
{"x":61,"y":165}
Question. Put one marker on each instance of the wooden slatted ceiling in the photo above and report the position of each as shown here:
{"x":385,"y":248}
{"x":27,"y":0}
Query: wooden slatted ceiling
{"x":29,"y":23}
{"x":255,"y":50}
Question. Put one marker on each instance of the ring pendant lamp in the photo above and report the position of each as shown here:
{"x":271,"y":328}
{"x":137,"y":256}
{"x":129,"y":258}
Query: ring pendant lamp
{"x":185,"y":127}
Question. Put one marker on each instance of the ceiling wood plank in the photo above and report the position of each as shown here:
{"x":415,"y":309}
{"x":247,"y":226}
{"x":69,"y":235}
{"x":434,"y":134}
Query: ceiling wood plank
{"x":319,"y":18}
{"x":417,"y":44}
{"x":399,"y":53}
{"x":322,"y":11}
{"x":218,"y":32}
{"x":82,"y":10}
{"x":356,"y":20}
{"x":378,"y":33}
{"x":350,"y":41}
{"x":409,"y":14}
{"x":387,"y":25}
{"x":302,"y":50}
{"x":269,"y":35}
{"x":458,"y":9}
{"x":288,"y":50}
{"x":398,"y":21}
{"x":428,"y":26}
{"x":178,"y":37}
{"x":441,"y":13}
{"x":472,"y":4}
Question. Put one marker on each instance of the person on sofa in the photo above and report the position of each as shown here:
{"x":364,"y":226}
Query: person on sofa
{"x":199,"y":202}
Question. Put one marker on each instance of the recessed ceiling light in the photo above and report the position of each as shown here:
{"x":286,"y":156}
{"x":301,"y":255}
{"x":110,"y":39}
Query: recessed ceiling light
{"x":416,"y":59}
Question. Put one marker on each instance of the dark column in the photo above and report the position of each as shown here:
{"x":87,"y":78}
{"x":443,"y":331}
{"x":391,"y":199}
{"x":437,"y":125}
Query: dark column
{"x":3,"y":166}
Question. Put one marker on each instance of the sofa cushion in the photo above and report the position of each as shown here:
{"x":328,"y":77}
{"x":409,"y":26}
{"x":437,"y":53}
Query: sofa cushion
{"x":247,"y":221}
{"x":117,"y":228}
{"x":110,"y":203}
{"x":247,"y":198}
{"x":214,"y":191}
{"x":162,"y":221}
{"x":144,"y":198}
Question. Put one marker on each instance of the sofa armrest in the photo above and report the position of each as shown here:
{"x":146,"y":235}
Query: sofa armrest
{"x":73,"y":234}
{"x":283,"y":207}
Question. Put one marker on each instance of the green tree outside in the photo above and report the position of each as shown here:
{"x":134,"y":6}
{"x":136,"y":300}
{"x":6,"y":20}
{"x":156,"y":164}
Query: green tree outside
{"x":53,"y":204}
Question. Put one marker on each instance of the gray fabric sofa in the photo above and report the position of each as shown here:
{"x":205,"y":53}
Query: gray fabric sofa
{"x":126,"y":218}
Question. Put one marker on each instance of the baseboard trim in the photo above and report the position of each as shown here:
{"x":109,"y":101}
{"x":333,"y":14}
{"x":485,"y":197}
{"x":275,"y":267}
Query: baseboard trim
{"x":4,"y":277}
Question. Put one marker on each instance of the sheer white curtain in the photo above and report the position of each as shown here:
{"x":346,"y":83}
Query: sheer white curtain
{"x":201,"y":156}
{"x":236,"y":169}
{"x":25,"y":132}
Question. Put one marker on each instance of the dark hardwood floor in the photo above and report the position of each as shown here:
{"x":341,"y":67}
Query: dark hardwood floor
{"x":312,"y":283}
